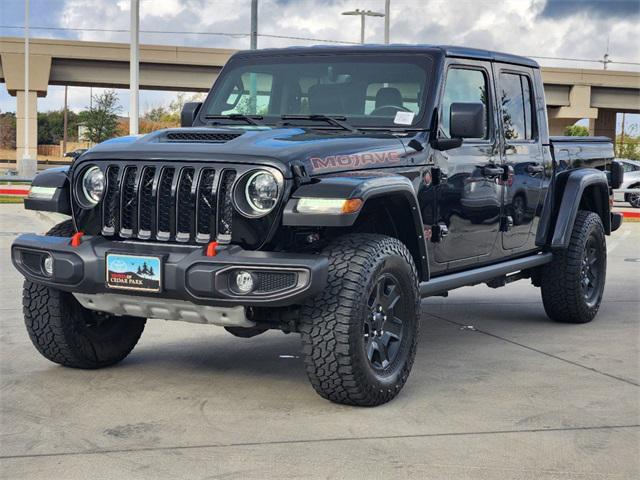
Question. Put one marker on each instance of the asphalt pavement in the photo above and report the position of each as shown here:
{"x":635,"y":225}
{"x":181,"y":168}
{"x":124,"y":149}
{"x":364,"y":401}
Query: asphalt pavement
{"x":497,"y":391}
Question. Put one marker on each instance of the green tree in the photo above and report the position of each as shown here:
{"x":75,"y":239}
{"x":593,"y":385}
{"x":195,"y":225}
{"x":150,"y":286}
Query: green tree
{"x":576,"y":131}
{"x":175,"y":106}
{"x":8,"y":130}
{"x":156,"y":114}
{"x":629,"y":148}
{"x":101,"y":120}
{"x":51,"y":126}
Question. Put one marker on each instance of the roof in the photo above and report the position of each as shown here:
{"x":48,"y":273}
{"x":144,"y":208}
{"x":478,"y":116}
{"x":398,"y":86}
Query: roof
{"x":446,"y":50}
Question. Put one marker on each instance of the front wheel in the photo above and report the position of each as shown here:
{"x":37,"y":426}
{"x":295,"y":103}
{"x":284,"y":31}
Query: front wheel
{"x":360,"y":334}
{"x":573,"y":283}
{"x":66,"y":333}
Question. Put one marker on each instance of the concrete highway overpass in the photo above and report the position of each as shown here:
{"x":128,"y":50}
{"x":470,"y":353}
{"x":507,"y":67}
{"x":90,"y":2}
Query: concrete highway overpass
{"x":572,"y":94}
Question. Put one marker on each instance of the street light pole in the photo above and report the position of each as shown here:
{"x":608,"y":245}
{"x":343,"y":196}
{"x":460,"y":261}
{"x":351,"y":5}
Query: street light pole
{"x":28,"y":167}
{"x":363,"y":14}
{"x":253,"y":79}
{"x":254,"y":24}
{"x":134,"y":68}
{"x":387,"y":20}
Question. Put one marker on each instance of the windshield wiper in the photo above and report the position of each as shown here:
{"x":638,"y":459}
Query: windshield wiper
{"x":250,"y":119}
{"x":338,"y":121}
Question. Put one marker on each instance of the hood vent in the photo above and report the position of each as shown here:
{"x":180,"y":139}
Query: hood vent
{"x":200,"y":137}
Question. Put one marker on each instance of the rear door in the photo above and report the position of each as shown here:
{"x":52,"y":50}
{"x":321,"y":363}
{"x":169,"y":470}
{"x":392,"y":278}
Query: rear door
{"x":469,"y":200}
{"x":521,"y":152}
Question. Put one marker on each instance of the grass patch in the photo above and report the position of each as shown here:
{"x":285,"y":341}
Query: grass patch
{"x":11,"y":199}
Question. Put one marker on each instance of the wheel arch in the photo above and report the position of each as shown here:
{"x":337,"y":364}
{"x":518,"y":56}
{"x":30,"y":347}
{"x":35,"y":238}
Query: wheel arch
{"x":390,"y":207}
{"x":574,"y":190}
{"x":54,"y":195}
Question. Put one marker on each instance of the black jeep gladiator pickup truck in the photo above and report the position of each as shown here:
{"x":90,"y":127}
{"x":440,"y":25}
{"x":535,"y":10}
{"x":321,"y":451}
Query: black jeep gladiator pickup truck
{"x":323,"y":191}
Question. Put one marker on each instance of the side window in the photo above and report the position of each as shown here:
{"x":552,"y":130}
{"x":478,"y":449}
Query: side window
{"x":515,"y":103}
{"x":241,"y":100}
{"x":465,"y":86}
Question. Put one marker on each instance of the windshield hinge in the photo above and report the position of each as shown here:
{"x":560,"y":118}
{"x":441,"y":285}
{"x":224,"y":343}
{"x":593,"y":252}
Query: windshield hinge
{"x":300,"y":174}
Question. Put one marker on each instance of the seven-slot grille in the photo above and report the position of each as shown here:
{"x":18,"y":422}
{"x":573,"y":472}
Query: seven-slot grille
{"x":168,"y":203}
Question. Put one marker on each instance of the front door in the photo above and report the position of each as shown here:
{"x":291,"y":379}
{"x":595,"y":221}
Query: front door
{"x":522,"y":155}
{"x":469,"y":199}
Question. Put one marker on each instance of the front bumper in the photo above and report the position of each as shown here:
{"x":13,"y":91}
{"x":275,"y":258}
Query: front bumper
{"x":188,"y":274}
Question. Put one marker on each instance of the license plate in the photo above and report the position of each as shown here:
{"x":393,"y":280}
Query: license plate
{"x":134,"y":272}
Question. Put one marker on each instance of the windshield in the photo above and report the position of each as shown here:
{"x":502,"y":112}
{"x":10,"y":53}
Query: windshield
{"x":365,"y":90}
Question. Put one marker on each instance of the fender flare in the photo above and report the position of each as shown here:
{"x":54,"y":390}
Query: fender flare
{"x":55,"y":194}
{"x":365,"y":188}
{"x":560,"y":215}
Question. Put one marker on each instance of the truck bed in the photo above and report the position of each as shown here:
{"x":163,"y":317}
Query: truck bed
{"x":574,"y":152}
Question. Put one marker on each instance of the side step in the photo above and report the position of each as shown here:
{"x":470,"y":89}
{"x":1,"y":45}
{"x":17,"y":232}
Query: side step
{"x":439,"y":285}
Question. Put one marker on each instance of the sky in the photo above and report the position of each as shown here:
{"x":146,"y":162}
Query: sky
{"x":577,"y":29}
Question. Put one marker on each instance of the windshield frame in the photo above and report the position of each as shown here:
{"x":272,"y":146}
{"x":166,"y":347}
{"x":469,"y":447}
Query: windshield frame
{"x":424,"y":60}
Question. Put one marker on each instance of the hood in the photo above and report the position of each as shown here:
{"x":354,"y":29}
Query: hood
{"x":320,"y":151}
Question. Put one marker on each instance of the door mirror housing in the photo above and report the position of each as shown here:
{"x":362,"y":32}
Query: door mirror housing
{"x":617,"y":175}
{"x":443,"y":144}
{"x":467,"y":120}
{"x":189,"y":113}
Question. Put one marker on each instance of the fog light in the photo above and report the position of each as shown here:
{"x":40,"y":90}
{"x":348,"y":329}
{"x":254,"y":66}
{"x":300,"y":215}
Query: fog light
{"x":47,"y":265}
{"x":244,"y":282}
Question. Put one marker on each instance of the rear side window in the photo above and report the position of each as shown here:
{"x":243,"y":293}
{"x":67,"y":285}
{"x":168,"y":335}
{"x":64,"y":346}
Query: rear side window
{"x":463,"y":86}
{"x":515,"y":103}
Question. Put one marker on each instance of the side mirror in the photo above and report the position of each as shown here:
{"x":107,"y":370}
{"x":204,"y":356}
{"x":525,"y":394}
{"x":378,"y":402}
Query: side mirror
{"x":467,"y":120}
{"x":189,"y":113}
{"x":617,"y":175}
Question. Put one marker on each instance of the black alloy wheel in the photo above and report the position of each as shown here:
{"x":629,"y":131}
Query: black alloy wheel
{"x":591,"y":272}
{"x":384,"y":326}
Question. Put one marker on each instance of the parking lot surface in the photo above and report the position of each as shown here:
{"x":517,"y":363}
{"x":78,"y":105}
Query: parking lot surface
{"x":497,"y":391}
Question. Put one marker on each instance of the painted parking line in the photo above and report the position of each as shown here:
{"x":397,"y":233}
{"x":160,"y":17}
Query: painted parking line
{"x":618,"y":239}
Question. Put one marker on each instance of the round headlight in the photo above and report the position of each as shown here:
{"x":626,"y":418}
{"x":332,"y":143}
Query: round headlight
{"x":261,"y":192}
{"x":93,"y":185}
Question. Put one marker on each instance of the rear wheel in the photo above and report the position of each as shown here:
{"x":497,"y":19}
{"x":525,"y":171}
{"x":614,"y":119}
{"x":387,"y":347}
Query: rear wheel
{"x":573,"y":283}
{"x":360,"y":335}
{"x":66,"y":333}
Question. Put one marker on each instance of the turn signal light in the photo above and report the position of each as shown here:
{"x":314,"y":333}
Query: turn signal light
{"x":351,"y":205}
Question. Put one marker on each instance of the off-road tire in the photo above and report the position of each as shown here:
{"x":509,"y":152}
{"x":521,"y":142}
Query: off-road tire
{"x":562,"y":293}
{"x":332,"y":323}
{"x":66,"y":333}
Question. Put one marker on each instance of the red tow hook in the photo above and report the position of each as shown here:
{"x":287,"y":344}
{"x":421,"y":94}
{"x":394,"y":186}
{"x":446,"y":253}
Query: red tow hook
{"x":75,"y":240}
{"x":211,"y":249}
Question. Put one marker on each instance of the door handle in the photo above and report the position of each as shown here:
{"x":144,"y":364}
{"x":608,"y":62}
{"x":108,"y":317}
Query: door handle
{"x":492,"y":171}
{"x":535,"y":168}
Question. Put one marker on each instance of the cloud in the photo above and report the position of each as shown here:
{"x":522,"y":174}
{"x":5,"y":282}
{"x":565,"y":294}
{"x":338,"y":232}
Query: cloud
{"x":605,"y":8}
{"x":549,"y":28}
{"x":527,"y":27}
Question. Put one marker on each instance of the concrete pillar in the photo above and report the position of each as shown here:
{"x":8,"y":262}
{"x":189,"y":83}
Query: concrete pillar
{"x":579,"y":107}
{"x":557,"y":125}
{"x":605,"y":124}
{"x":13,"y":71}
{"x":20,"y":125}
